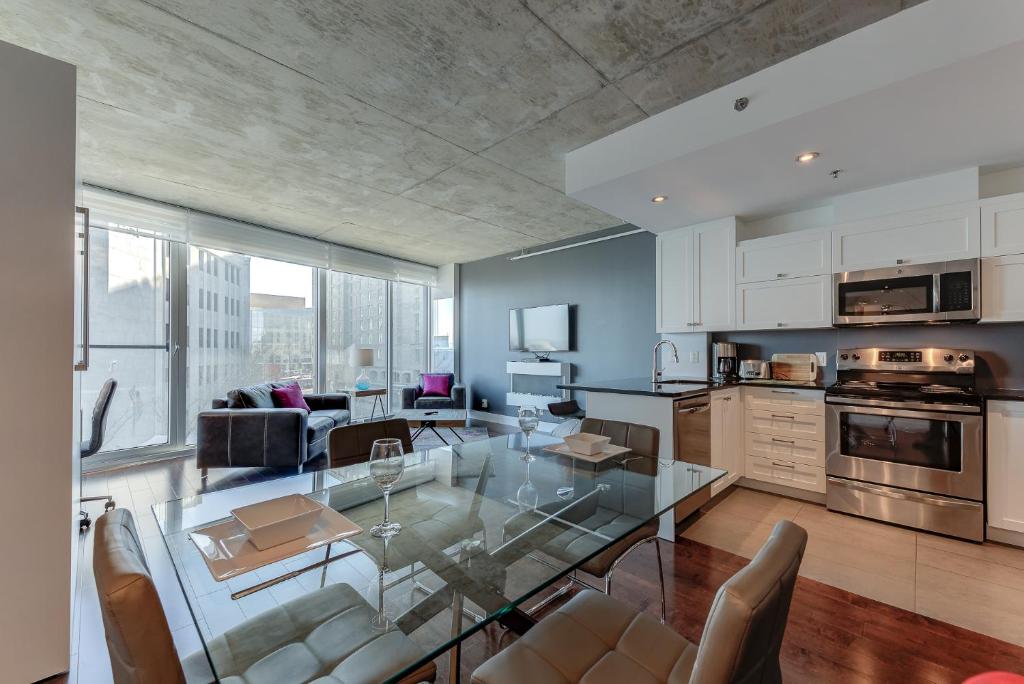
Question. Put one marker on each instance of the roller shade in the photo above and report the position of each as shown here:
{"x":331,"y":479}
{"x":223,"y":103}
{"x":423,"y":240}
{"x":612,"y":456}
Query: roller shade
{"x":214,"y":232}
{"x":126,"y":213}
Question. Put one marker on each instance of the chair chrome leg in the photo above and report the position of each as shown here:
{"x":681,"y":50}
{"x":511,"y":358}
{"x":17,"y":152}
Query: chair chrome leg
{"x":661,"y":577}
{"x":608,"y":583}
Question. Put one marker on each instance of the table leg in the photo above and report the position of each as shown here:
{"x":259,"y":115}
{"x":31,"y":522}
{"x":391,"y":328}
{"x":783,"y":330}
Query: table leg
{"x":457,"y":435}
{"x":419,"y":431}
{"x":455,"y":654}
{"x":323,"y":574}
{"x":434,"y":430}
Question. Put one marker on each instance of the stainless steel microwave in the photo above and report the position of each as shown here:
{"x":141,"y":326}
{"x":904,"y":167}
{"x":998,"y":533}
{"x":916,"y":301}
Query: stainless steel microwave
{"x":926,"y":293}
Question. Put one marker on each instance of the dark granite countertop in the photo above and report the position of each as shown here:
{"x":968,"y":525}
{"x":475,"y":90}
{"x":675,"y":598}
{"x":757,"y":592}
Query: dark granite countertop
{"x":681,"y":388}
{"x":1003,"y":394}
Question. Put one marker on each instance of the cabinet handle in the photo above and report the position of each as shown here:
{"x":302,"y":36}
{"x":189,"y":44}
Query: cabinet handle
{"x":783,"y":465}
{"x":900,"y":261}
{"x":726,"y":398}
{"x":775,"y":415}
{"x":781,"y":325}
{"x":774,"y":391}
{"x":783,"y":441}
{"x":780,"y":275}
{"x":83,"y":363}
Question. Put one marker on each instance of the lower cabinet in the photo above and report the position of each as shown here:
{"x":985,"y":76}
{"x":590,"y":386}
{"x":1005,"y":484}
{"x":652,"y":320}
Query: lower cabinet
{"x":784,"y":437}
{"x":785,"y":473}
{"x":1005,"y":465}
{"x":726,"y":436}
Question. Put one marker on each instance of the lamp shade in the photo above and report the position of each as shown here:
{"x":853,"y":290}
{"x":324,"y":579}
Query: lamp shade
{"x":364,"y":357}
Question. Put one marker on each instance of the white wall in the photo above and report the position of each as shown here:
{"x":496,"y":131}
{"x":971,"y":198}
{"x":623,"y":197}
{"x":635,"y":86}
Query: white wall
{"x":37,"y":199}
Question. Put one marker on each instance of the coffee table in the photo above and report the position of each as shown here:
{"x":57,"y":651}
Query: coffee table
{"x":431,"y":419}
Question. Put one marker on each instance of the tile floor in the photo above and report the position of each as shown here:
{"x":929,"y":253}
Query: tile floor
{"x":976,"y":586}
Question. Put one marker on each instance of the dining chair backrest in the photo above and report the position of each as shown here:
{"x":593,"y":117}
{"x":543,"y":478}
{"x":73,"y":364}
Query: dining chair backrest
{"x":641,"y":440}
{"x":138,"y":637}
{"x":743,"y":633}
{"x":351,"y":444}
{"x":99,"y":418}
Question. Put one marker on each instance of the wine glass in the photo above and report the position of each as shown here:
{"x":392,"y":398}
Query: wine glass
{"x":529,"y":419}
{"x":527,"y":495}
{"x":387,"y":463}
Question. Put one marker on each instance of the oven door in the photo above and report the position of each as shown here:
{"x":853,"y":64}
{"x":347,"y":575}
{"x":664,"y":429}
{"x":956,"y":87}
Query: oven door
{"x":933,"y":451}
{"x":929,"y":293}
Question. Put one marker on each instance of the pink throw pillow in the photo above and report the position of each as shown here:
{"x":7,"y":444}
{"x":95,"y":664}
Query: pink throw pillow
{"x":436,"y":385}
{"x":289,"y":396}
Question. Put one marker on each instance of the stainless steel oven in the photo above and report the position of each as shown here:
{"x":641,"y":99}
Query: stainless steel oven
{"x":905,"y":440}
{"x":927,"y":293}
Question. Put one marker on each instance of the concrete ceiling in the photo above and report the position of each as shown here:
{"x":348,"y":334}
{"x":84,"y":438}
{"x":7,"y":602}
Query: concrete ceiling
{"x":428,"y":130}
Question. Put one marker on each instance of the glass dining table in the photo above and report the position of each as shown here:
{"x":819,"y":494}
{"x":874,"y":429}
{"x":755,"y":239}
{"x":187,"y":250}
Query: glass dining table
{"x":486,"y":526}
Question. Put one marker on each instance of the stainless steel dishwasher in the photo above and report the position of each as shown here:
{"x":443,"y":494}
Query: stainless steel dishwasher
{"x":691,"y":434}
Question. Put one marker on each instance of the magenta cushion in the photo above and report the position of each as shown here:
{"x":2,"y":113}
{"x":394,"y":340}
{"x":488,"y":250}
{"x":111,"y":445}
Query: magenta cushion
{"x":289,"y":396}
{"x":436,"y":385}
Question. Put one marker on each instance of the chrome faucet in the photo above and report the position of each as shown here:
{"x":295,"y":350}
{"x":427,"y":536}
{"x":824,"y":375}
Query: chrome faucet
{"x":655,"y":373}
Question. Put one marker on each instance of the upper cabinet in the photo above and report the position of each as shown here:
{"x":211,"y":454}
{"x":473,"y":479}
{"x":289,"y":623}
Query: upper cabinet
{"x":1002,"y":226}
{"x":916,"y":237}
{"x":785,"y":303}
{"x":791,"y":255}
{"x":696,"y":278}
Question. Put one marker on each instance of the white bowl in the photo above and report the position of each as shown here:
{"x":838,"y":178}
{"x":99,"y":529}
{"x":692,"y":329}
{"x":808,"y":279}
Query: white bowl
{"x":586,"y":443}
{"x":274,"y":522}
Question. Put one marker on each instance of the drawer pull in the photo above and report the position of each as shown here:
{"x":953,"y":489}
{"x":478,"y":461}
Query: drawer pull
{"x":775,"y":415}
{"x":783,"y":465}
{"x":774,"y":391}
{"x":783,"y":441}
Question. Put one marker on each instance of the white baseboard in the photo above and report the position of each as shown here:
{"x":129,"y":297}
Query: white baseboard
{"x":1004,"y":536}
{"x":502,"y":419}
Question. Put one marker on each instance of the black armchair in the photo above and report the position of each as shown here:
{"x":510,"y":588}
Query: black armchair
{"x":246,"y":430}
{"x":412,"y":397}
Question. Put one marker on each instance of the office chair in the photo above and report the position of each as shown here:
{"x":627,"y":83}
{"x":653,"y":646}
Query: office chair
{"x":95,"y":443}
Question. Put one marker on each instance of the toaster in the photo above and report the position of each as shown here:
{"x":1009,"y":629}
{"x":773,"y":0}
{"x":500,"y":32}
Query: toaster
{"x":755,"y":370}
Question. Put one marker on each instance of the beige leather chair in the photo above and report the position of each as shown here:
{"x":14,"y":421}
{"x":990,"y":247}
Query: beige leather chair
{"x":643,"y":442}
{"x":351,"y":444}
{"x":296,"y":641}
{"x":596,"y":639}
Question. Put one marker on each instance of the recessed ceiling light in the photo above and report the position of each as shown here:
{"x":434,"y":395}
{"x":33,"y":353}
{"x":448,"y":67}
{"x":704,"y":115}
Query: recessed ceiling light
{"x":658,"y":199}
{"x":806,"y":157}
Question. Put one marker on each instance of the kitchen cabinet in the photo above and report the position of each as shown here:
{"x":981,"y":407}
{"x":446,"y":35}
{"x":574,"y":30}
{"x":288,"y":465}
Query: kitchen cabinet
{"x":695,"y":277}
{"x":792,"y":255}
{"x":1002,"y":226}
{"x":784,"y":437}
{"x":726,"y":436}
{"x":915,"y":237}
{"x":788,"y":303}
{"x":1005,"y":465}
{"x":1002,"y":289}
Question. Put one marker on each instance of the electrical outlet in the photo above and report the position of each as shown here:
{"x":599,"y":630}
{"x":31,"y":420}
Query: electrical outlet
{"x":483,"y":403}
{"x":695,"y":357}
{"x":822,"y":358}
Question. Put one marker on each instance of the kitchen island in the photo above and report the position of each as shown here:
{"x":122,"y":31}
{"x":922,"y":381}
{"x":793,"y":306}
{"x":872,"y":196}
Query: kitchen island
{"x":699,"y":421}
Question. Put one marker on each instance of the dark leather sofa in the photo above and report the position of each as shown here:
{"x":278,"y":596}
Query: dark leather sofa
{"x":244,"y":429}
{"x":412,"y":397}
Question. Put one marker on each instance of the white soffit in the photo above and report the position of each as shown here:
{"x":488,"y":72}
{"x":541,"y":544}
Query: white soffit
{"x":928,"y":90}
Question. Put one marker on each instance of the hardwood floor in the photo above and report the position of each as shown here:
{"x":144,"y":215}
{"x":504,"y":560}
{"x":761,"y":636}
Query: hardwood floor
{"x":833,"y":635}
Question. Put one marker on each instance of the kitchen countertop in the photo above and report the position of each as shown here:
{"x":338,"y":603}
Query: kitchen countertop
{"x":681,"y":388}
{"x":1003,"y":394}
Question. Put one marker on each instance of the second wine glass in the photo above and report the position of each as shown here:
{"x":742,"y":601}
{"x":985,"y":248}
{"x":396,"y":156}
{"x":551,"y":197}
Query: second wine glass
{"x":529,"y":419}
{"x":387,"y":463}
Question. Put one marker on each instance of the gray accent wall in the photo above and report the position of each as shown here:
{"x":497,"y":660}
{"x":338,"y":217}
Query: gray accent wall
{"x":611,"y":285}
{"x":999,"y":348}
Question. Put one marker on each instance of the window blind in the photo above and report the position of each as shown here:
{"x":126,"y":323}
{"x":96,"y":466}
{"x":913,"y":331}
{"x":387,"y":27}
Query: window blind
{"x":136,"y":215}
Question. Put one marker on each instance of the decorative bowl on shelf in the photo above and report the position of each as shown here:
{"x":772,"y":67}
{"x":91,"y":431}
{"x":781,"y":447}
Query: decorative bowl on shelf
{"x":587,"y":444}
{"x":274,"y":522}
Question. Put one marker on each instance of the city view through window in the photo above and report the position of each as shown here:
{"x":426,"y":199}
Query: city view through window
{"x":248,"y":320}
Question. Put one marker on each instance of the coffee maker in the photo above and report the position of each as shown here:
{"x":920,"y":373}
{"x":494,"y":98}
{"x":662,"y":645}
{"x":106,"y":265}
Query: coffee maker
{"x":724,"y":361}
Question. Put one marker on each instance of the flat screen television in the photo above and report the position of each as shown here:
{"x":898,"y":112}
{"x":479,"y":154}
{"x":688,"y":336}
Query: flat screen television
{"x":539,"y":329}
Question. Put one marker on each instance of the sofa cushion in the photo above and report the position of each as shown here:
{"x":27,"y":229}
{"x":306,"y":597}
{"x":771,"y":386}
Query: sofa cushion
{"x":433,"y":403}
{"x":339,"y":416}
{"x":254,"y":396}
{"x":317,"y":427}
{"x":436,"y":384}
{"x":289,"y":396}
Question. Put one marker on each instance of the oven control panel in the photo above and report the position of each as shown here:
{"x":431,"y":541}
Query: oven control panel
{"x":927,"y":360}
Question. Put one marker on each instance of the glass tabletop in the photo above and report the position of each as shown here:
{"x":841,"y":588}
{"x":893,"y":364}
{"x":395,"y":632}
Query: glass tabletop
{"x":486,"y":525}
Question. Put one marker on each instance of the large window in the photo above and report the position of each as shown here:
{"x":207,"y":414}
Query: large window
{"x":409,"y":334}
{"x":186,"y":306}
{"x":356,"y":328}
{"x":129,"y":329}
{"x":250,"y":320}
